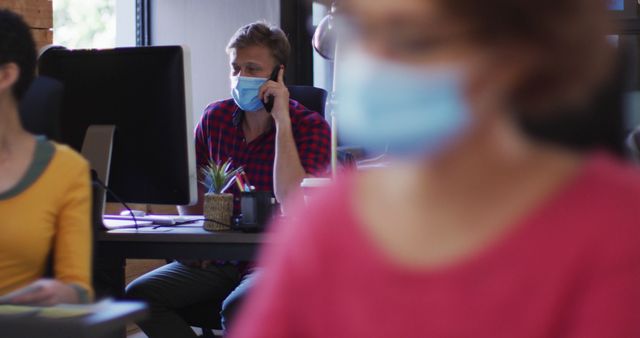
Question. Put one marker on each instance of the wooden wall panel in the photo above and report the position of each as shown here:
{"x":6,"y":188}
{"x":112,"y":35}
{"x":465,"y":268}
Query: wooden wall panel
{"x":42,"y":37}
{"x":37,"y":13}
{"x":39,"y":16}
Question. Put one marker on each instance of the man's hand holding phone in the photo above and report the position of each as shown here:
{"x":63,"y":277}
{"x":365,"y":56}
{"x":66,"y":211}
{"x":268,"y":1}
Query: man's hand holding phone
{"x":275,"y":89}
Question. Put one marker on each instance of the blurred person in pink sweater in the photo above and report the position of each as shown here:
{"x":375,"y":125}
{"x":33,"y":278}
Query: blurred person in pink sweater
{"x":476,"y":229}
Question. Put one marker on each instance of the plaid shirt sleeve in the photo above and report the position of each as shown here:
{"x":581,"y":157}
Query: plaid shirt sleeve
{"x":313,"y":140}
{"x":202,"y":138}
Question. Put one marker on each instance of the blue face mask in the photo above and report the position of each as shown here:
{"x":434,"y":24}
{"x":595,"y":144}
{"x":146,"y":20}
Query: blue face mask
{"x":407,"y":111}
{"x":244,"y":91}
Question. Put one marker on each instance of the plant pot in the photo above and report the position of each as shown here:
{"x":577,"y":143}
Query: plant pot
{"x":218,"y":209}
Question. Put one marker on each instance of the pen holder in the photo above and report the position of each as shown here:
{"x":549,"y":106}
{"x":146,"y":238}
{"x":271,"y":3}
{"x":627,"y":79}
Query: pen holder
{"x":256,"y":208}
{"x":218,"y":209}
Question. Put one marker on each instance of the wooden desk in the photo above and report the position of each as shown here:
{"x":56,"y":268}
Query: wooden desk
{"x":181,"y":242}
{"x":108,"y":322}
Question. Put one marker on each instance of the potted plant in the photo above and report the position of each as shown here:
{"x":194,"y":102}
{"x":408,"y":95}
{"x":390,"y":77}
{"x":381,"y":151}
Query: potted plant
{"x":218,"y":206}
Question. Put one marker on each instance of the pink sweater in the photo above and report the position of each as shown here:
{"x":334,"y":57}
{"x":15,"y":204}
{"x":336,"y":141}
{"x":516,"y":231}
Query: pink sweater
{"x":570,"y":270}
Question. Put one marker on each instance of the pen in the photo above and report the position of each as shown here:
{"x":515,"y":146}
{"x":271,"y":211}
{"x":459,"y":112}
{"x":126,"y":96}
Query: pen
{"x":239,"y":182}
{"x":245,"y":178}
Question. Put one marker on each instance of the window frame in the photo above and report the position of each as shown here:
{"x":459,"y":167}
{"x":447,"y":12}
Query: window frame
{"x":143,"y":23}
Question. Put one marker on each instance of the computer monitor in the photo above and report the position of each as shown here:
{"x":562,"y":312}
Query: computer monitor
{"x":143,"y":92}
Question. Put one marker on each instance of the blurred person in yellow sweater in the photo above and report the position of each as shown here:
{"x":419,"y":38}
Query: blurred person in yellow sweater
{"x":44,"y":193}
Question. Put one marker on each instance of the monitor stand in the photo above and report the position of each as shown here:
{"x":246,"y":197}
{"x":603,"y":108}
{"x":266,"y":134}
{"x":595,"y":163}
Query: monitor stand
{"x":96,"y":148}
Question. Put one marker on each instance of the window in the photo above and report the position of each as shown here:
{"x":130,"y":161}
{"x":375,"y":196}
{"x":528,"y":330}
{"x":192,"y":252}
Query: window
{"x":94,"y":23}
{"x":84,"y":23}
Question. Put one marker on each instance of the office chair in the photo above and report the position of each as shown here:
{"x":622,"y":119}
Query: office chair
{"x":40,"y":106}
{"x":315,"y":99}
{"x":206,"y":315}
{"x":311,"y":97}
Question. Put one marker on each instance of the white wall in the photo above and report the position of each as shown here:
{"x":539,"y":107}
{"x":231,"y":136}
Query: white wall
{"x":205,"y":26}
{"x":125,"y":23}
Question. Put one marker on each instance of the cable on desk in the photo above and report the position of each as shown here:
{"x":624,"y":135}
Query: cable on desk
{"x":115,"y":196}
{"x":191,"y":221}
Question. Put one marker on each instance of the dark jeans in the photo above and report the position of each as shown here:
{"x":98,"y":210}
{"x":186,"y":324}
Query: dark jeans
{"x":175,"y":286}
{"x":232,"y":303}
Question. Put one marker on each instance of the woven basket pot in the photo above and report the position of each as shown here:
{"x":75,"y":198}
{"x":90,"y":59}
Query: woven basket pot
{"x":219,"y":208}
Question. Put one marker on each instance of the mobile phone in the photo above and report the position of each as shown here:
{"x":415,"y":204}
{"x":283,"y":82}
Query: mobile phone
{"x":268,"y":106}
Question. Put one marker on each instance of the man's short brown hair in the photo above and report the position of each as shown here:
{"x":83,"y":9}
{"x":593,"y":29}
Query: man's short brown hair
{"x":262,"y":34}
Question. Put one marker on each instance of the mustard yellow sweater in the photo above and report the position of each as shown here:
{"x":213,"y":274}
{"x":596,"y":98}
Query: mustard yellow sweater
{"x":47,"y":213}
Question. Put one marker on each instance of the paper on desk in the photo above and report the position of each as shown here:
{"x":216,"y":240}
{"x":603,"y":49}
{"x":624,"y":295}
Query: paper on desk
{"x":72,"y":310}
{"x":63,"y":312}
{"x":55,"y":312}
{"x":141,"y":230}
{"x":17,"y":310}
{"x":113,"y":224}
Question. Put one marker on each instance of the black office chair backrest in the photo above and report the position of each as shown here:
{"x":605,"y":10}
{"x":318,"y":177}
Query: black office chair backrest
{"x":311,"y":97}
{"x":40,"y":107}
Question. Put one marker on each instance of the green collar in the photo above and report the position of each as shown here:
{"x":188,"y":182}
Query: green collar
{"x":41,"y":157}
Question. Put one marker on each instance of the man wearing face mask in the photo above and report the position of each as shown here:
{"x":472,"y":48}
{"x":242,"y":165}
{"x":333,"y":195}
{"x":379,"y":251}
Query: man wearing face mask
{"x":277,"y":149}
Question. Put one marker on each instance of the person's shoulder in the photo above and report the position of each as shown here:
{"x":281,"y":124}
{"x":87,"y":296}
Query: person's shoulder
{"x":614,"y":176}
{"x":611,"y":218}
{"x":67,"y":157}
{"x":227,"y":104}
{"x":220,"y":108}
{"x":302,"y":116}
{"x":67,"y":168}
{"x":217,"y":113}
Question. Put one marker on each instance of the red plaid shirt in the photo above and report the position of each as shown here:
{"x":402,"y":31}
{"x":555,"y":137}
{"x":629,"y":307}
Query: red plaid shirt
{"x":219,"y":135}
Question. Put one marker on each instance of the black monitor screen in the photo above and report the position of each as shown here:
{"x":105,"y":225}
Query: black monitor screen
{"x":142,"y":92}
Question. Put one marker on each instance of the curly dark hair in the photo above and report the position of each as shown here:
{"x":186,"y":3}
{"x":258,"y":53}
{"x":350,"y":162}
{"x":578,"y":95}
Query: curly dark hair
{"x":262,"y":34}
{"x":17,"y":46}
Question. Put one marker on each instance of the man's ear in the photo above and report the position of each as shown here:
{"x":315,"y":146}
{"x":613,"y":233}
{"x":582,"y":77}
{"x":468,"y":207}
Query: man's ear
{"x":9,"y":74}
